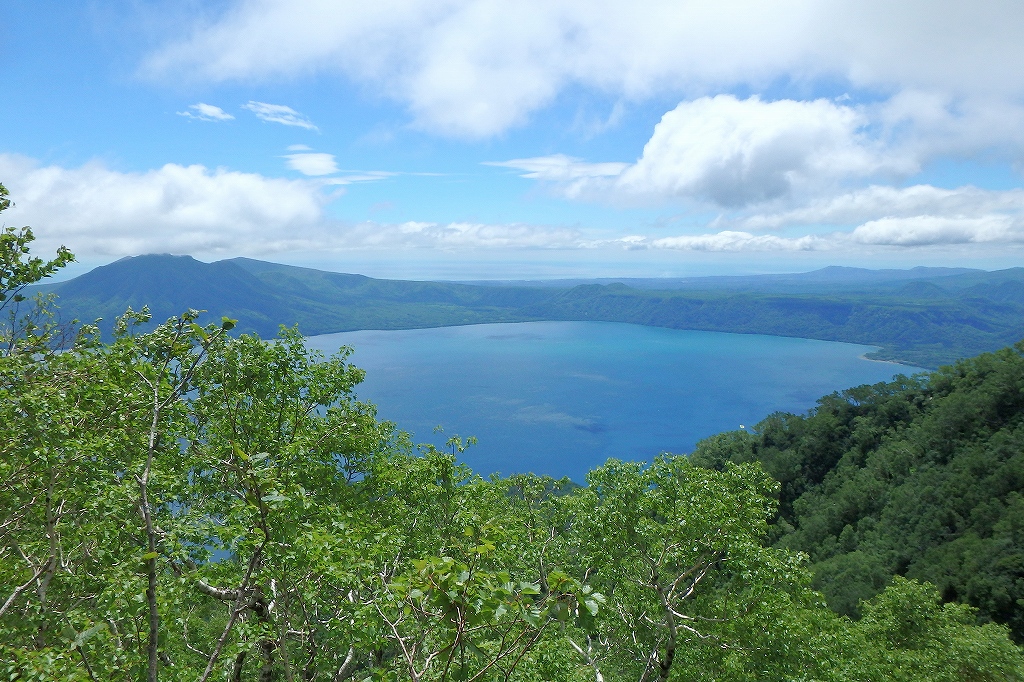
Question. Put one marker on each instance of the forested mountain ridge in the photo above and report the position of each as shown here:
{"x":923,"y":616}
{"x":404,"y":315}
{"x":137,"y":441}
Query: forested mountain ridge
{"x":922,"y":477}
{"x":923,"y":318}
{"x":263,"y":298}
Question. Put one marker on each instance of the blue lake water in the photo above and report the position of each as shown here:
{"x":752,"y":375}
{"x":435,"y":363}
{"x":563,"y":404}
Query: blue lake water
{"x":559,"y":398}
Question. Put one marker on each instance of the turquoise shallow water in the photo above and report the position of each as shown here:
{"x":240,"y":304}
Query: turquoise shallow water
{"x":559,"y":398}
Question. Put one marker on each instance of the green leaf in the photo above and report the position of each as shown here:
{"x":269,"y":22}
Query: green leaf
{"x":84,"y":636}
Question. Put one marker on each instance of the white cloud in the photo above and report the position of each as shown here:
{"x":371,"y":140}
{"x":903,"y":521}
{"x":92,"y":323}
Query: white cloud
{"x":740,"y":241}
{"x":206,"y":112}
{"x":874,"y":202}
{"x":901,"y":233}
{"x":928,"y":230}
{"x":477,"y":67}
{"x":192,"y":209}
{"x":279,"y":113}
{"x":312,"y":163}
{"x":463,"y":235}
{"x":299,"y":148}
{"x":560,"y":168}
{"x":733,"y":152}
{"x":886,"y":234}
{"x":181,"y":209}
{"x":360,"y":176}
{"x":572,"y":175}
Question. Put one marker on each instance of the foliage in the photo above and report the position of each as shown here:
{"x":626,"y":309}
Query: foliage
{"x":186,"y":505}
{"x":921,"y":477}
{"x":181,"y":504}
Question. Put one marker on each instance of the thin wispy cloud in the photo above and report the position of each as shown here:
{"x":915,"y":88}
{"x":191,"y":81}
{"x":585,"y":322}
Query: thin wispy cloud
{"x":312,"y":163}
{"x":353,"y":177}
{"x":279,"y":113}
{"x":321,"y":164}
{"x":559,"y":167}
{"x":206,"y":112}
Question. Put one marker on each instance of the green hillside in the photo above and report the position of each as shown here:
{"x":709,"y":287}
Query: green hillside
{"x":923,"y":317}
{"x":922,"y":477}
{"x":264,"y":296}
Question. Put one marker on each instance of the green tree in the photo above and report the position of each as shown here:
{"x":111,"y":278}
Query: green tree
{"x":679,"y":552}
{"x":18,"y":270}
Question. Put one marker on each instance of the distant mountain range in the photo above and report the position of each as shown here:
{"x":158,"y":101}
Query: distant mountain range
{"x":922,"y":316}
{"x":833,"y":276}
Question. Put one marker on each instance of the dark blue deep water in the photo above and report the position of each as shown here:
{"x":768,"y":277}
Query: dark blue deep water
{"x":559,"y":398}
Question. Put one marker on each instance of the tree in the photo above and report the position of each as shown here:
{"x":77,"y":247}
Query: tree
{"x":679,"y":553}
{"x":18,"y":270}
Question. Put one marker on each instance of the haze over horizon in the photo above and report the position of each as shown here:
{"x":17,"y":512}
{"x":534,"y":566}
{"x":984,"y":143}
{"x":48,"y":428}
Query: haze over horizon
{"x":477,"y":140}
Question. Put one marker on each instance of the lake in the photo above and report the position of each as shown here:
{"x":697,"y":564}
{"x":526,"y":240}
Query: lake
{"x":559,"y":398}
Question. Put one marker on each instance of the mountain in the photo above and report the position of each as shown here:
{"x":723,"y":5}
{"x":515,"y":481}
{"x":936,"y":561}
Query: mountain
{"x":924,"y":316}
{"x":169,"y":285}
{"x":262,"y":296}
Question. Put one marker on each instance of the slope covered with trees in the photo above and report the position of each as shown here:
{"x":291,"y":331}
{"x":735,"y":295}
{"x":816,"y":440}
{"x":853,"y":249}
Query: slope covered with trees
{"x":922,"y":477}
{"x":182,"y":504}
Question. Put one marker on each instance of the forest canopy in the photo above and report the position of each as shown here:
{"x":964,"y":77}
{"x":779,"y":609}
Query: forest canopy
{"x":921,"y":477}
{"x":184,"y":504}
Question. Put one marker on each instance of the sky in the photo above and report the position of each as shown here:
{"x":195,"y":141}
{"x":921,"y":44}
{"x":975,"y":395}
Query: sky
{"x":478,"y":139}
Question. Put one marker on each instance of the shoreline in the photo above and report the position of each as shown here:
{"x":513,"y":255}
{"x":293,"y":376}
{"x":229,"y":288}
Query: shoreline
{"x":864,"y":356}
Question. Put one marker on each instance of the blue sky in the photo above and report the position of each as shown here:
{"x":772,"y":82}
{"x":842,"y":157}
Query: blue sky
{"x":479,"y":139}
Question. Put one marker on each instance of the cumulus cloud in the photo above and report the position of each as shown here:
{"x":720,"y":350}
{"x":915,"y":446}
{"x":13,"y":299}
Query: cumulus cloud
{"x":312,"y":163}
{"x":206,"y":112}
{"x":192,"y":209}
{"x":475,"y":67}
{"x":733,"y":152}
{"x":279,"y":113}
{"x":928,"y":230}
{"x":182,"y":209}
